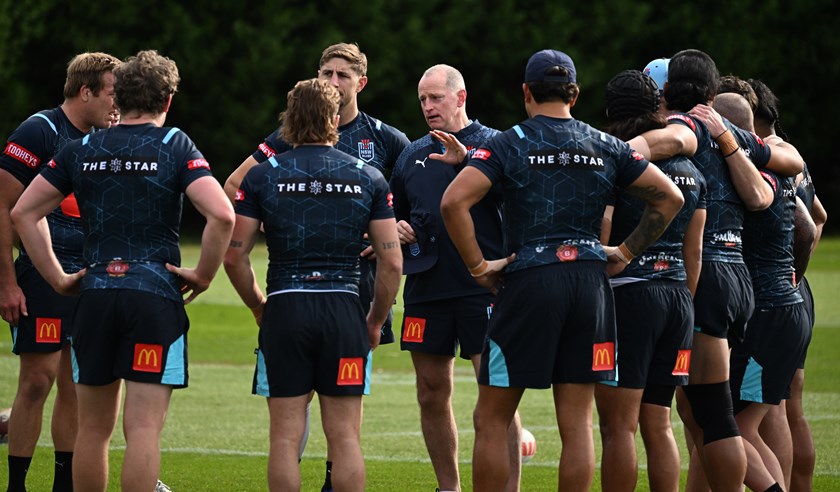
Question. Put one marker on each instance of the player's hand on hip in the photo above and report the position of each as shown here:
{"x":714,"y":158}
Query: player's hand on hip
{"x":191,"y":284}
{"x":616,"y":262}
{"x":374,"y":333}
{"x":12,"y":303}
{"x":488,"y":273}
{"x":454,"y":152}
{"x":70,"y":285}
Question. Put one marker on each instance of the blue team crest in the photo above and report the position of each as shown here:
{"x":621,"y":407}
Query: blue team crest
{"x":366,"y":152}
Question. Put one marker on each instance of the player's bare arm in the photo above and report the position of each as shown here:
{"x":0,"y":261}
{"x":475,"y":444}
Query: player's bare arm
{"x":238,"y":267}
{"x":665,"y":142}
{"x":693,"y":249}
{"x":386,"y":246}
{"x":236,"y":177}
{"x":12,"y":300}
{"x":804,"y":237}
{"x":785,"y":160}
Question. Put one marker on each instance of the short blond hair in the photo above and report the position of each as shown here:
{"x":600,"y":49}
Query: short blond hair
{"x":310,"y":111}
{"x":87,"y":69}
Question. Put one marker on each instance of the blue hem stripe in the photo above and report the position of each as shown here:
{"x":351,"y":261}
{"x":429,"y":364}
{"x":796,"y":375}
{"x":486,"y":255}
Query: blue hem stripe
{"x":169,"y":135}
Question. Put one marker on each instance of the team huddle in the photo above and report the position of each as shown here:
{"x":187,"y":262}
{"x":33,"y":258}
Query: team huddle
{"x":661,"y":257}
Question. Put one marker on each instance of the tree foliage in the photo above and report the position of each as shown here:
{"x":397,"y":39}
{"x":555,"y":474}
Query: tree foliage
{"x":238,"y":59}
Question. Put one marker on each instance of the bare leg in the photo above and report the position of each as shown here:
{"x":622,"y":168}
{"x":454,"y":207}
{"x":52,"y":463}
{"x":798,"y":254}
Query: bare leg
{"x":341,"y":417}
{"x":493,"y":414}
{"x":775,"y":431}
{"x":145,"y":410}
{"x":99,"y":407}
{"x":65,"y":417}
{"x":764,"y":469}
{"x":804,"y":454}
{"x":434,"y":374}
{"x":618,"y":412}
{"x":573,"y":404}
{"x":287,"y":418}
{"x":35,"y":380}
{"x":663,"y":456}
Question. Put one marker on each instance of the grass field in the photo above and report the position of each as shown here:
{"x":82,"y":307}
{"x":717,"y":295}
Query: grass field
{"x":216,"y":434}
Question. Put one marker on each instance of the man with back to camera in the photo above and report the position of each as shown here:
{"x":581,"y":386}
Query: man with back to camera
{"x":444,"y":306}
{"x":314,"y":203}
{"x":556,"y":173}
{"x":130,"y":323}
{"x":344,"y":66}
{"x":40,"y":318}
{"x":723,"y":302}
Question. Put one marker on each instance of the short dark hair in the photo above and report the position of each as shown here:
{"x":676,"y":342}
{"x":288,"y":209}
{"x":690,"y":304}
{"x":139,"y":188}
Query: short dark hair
{"x":310,"y":109}
{"x":692,"y":80}
{"x":145,"y":82}
{"x":544,"y":92}
{"x":735,"y":84}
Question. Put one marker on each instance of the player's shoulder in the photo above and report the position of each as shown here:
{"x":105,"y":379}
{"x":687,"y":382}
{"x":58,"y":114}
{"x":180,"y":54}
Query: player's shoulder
{"x":378,"y":126}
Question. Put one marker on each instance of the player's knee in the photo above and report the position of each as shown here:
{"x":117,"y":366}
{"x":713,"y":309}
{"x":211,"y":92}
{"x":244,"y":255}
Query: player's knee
{"x":711,"y":406}
{"x":34,"y":387}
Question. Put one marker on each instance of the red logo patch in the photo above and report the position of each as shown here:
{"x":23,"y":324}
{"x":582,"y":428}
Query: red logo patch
{"x":21,"y":154}
{"x":758,"y":139}
{"x":661,"y":265}
{"x":240,"y":195}
{"x":482,"y":154}
{"x":683,"y":363}
{"x":148,"y":358}
{"x":266,"y":150}
{"x":685,"y":119}
{"x":391,"y":200}
{"x":48,"y":330}
{"x":567,"y":252}
{"x":638,"y":156}
{"x":770,"y":180}
{"x":350,"y":371}
{"x":117,"y":268}
{"x":413,"y":329}
{"x":603,"y":356}
{"x":198,"y":163}
{"x":69,"y":206}
{"x":52,"y":163}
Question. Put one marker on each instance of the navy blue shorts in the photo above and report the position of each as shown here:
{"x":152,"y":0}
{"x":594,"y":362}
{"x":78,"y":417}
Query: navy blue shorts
{"x":438,"y":327}
{"x":655,"y":322}
{"x":132,"y":335}
{"x":763,"y":365}
{"x":313,"y":340}
{"x":49,"y":325}
{"x":724,"y":300}
{"x":551,"y":324}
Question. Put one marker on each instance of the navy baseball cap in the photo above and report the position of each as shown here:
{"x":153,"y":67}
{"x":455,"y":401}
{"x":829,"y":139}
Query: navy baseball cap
{"x":541,"y":61}
{"x":422,"y":255}
{"x":658,"y":71}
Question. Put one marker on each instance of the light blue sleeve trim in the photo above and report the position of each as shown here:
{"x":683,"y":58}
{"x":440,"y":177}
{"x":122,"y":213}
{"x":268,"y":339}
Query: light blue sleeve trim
{"x":86,"y":139}
{"x":519,"y":131}
{"x":168,"y":137}
{"x":44,"y":117}
{"x":273,"y":162}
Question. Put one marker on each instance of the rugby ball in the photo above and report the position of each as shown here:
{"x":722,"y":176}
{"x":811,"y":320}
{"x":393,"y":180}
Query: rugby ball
{"x":529,"y":445}
{"x":4,"y":424}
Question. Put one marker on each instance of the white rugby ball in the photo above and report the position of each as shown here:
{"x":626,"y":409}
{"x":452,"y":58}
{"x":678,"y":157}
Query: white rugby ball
{"x":4,"y":424}
{"x":529,"y":445}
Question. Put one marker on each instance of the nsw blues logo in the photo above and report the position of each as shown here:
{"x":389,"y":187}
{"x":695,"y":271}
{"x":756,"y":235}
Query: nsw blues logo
{"x":366,"y":150}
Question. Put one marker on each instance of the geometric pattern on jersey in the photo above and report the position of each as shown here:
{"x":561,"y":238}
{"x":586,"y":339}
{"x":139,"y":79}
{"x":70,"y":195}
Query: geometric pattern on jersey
{"x":129,"y":183}
{"x":365,"y":138}
{"x":315,"y":203}
{"x":664,"y":258}
{"x":556,"y":174}
{"x":768,"y":246}
{"x":724,"y":208}
{"x":29,"y":148}
{"x":418,"y":184}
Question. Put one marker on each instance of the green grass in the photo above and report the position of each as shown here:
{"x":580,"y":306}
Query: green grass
{"x":216,"y":436}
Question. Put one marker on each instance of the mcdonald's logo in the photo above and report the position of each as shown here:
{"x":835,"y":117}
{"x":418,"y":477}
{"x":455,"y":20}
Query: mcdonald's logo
{"x":413,"y":329}
{"x":350,"y":371}
{"x":48,"y":330}
{"x":148,"y":358}
{"x":603,"y":356}
{"x":683,"y":363}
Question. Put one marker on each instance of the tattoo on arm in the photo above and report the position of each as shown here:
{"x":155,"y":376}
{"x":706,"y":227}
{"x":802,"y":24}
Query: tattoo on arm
{"x":236,"y":244}
{"x":651,"y":226}
{"x":390,"y":245}
{"x":647,"y":193}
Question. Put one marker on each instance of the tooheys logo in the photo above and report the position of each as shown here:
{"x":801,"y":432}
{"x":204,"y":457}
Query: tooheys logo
{"x":413,"y":329}
{"x":350,"y":371}
{"x":21,"y":154}
{"x":770,"y":180}
{"x":240,"y":195}
{"x":685,"y":119}
{"x":603,"y":356}
{"x":266,"y":150}
{"x":482,"y":154}
{"x":683,"y":364}
{"x":198,"y":164}
{"x":48,"y":330}
{"x":148,"y":358}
